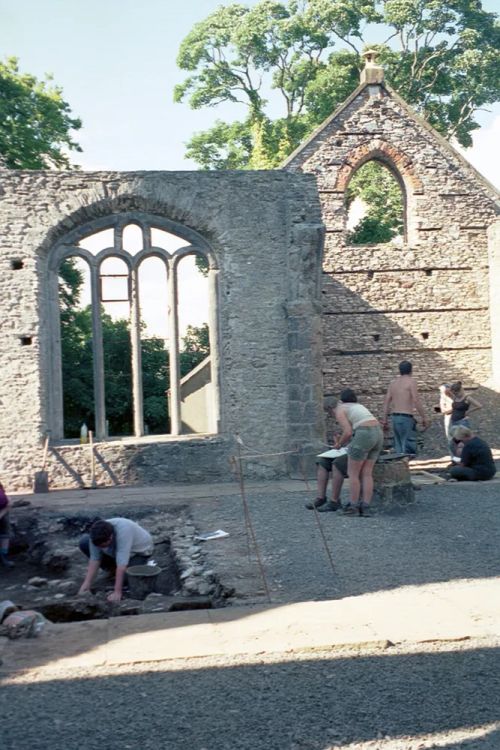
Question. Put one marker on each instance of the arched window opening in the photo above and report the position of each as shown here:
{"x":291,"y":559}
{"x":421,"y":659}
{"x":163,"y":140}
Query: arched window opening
{"x":77,"y":367}
{"x":166,"y":240}
{"x":132,"y":239}
{"x":155,"y":337}
{"x":138,"y":331}
{"x":98,"y":241}
{"x":376,"y":206}
{"x":114,"y":283}
{"x":194,"y":344}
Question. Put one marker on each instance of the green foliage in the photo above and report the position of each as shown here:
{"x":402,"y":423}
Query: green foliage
{"x":35,"y":121}
{"x":222,"y":147}
{"x":380,"y":192}
{"x":77,"y":371}
{"x":155,"y":382}
{"x":442,"y":55}
{"x":117,"y":375}
{"x":201,"y":264}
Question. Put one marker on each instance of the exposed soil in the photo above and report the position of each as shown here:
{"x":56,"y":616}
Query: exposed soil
{"x":49,"y":566}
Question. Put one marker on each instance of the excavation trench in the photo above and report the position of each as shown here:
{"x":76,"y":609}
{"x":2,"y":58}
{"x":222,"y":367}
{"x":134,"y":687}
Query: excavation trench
{"x":49,"y":567}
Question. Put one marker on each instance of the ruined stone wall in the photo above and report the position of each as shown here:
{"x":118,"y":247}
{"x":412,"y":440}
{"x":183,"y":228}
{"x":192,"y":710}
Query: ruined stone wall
{"x":266,"y":235}
{"x":426,"y":300}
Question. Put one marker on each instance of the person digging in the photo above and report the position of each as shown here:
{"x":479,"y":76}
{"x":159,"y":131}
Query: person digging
{"x":113,"y":545}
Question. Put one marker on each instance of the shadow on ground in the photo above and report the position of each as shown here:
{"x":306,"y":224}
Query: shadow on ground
{"x":448,"y":698}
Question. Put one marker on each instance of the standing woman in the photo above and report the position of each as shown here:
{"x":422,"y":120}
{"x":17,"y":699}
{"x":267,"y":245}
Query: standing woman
{"x":367,"y":440}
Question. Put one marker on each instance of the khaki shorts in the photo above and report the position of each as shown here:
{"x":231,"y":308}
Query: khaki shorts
{"x":366,"y":443}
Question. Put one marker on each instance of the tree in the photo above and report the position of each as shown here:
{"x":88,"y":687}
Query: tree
{"x":443,"y":55}
{"x":382,"y":197}
{"x":35,"y":122}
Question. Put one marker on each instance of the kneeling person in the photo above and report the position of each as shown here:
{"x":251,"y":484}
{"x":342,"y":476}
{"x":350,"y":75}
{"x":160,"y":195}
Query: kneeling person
{"x":113,"y":545}
{"x":476,"y":458}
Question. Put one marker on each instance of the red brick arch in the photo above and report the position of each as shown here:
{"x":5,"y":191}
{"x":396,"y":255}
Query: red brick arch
{"x":384,"y":152}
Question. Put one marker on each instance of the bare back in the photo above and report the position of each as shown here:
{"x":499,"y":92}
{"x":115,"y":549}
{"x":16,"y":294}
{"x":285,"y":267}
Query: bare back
{"x":402,"y":395}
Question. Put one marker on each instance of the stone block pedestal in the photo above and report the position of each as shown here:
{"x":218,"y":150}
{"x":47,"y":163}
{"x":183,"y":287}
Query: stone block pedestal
{"x":392,"y":483}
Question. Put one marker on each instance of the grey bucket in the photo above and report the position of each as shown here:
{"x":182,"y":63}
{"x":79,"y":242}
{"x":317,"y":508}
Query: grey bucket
{"x":142,"y":580}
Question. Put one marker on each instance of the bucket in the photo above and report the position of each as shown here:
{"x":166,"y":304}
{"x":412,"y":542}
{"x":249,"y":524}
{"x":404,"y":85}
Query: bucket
{"x":142,"y":580}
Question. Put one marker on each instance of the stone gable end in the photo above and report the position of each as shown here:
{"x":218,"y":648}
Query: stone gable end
{"x":426,"y":299}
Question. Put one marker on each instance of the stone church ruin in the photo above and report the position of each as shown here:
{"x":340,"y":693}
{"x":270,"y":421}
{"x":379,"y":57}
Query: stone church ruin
{"x":295,"y":311}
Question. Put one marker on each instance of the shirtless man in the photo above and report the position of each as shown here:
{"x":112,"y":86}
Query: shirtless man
{"x":402,"y":401}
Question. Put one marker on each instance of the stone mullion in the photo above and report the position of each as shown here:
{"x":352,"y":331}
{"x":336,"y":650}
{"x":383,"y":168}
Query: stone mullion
{"x":135,"y":336}
{"x":98,"y":357}
{"x":55,"y":417}
{"x":214,"y":413}
{"x":173,"y":325}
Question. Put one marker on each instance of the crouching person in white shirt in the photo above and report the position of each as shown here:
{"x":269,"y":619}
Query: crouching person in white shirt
{"x":113,"y":545}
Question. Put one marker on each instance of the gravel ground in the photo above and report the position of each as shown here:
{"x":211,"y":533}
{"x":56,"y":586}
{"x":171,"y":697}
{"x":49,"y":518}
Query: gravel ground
{"x":396,"y":699}
{"x":452,"y":531}
{"x":405,"y":697}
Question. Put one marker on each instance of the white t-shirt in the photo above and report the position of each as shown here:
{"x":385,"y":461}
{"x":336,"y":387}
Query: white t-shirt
{"x":129,"y":539}
{"x":357,"y":414}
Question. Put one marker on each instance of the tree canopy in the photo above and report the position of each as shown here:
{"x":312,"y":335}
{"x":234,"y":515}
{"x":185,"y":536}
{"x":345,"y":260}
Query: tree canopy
{"x":443,"y":56}
{"x":36,"y":123}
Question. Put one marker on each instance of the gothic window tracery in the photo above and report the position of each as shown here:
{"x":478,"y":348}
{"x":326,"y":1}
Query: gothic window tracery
{"x":133,"y":341}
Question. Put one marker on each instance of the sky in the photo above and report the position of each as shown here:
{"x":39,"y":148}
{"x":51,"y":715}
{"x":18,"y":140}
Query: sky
{"x":115,"y":61}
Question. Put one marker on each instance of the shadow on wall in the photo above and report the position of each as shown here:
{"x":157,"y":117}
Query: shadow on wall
{"x":363,"y":347}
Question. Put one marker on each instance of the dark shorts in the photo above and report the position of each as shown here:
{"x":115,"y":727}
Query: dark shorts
{"x":340,"y":464}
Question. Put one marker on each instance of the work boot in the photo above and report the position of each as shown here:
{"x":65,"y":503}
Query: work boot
{"x":316,"y":503}
{"x":351,"y":510}
{"x":328,"y":507}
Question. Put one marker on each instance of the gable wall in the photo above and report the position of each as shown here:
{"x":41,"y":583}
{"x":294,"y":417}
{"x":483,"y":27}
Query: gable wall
{"x":427,"y":301}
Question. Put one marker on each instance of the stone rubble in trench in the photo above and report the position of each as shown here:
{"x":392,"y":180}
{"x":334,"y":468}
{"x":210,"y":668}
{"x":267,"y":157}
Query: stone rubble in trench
{"x":190,"y":582}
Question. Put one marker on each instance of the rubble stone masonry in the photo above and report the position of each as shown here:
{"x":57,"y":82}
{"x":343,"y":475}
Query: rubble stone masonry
{"x":426,"y":299}
{"x":264,"y":230}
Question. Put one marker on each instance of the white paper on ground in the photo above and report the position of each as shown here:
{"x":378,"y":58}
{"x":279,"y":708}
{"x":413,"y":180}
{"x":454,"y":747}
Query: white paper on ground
{"x":211,"y":535}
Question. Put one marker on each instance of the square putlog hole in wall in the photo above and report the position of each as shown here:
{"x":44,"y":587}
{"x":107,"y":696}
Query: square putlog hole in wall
{"x":16,"y":264}
{"x":26,"y":340}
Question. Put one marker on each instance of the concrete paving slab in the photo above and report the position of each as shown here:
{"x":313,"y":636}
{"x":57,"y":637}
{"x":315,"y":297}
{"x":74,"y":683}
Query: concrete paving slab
{"x":60,"y":647}
{"x":160,"y":637}
{"x":413,"y":614}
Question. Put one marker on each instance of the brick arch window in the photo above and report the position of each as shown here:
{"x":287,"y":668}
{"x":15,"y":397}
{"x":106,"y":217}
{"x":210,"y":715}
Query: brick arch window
{"x":129,"y":312}
{"x":375,"y":199}
{"x":398,"y":164}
